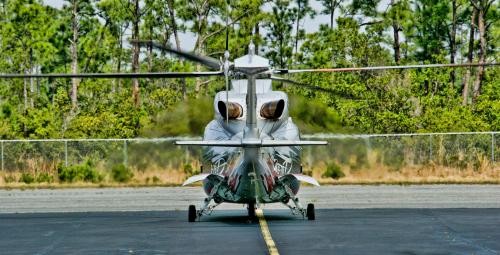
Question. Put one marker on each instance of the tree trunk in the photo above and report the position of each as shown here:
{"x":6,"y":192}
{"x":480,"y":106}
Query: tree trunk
{"x":171,"y":12}
{"x":453,"y":40}
{"x":396,"y":44}
{"x":282,"y":65}
{"x":198,"y":45}
{"x":257,"y":32}
{"x":333,"y":5}
{"x":32,"y":83}
{"x":482,"y":52}
{"x":332,"y":12}
{"x":135,"y":53}
{"x":74,"y":55}
{"x":297,"y":27}
{"x":150,"y":50}
{"x":25,"y":93}
{"x":119,"y":60}
{"x":470,"y":55}
{"x":197,"y":87}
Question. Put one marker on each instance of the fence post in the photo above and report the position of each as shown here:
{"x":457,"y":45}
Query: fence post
{"x":2,"y":157}
{"x":430,"y":147}
{"x":66,"y":152}
{"x":368,"y":148}
{"x":125,"y":154}
{"x":186,"y":155}
{"x":492,"y":147}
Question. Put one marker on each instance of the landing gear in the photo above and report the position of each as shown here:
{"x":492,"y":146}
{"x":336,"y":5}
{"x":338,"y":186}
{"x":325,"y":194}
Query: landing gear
{"x":296,"y":207}
{"x":207,"y":209}
{"x":251,"y":210}
{"x":192,"y":213}
{"x":310,"y":212}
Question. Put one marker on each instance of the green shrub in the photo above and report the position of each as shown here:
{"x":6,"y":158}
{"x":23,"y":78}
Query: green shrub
{"x":82,"y":172}
{"x":9,"y":178}
{"x":333,"y":171}
{"x":188,"y":169}
{"x":44,"y":177}
{"x":121,"y":173}
{"x":156,"y":179}
{"x":27,"y":178}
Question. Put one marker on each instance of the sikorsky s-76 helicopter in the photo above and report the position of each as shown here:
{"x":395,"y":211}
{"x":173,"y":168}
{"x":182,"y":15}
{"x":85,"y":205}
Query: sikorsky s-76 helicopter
{"x":253,"y":145}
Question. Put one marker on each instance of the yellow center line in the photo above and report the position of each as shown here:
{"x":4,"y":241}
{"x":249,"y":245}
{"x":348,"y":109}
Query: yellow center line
{"x":271,"y":246}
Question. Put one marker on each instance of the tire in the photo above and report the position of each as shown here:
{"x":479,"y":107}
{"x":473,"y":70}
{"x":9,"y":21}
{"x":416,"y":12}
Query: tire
{"x":310,"y":212}
{"x":192,"y":213}
{"x":251,"y":210}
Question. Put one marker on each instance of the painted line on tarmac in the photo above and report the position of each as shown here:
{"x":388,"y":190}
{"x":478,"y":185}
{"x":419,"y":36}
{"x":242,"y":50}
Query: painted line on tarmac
{"x":271,"y":246}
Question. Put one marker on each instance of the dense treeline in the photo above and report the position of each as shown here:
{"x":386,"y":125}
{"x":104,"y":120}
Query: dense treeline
{"x":92,"y":36}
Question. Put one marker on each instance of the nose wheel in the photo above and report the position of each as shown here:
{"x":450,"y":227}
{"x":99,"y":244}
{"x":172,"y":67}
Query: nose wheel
{"x":310,"y":212}
{"x":192,"y":213}
{"x":251,"y":210}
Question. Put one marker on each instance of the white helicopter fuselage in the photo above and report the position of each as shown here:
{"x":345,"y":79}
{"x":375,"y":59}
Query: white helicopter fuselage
{"x":252,"y":173}
{"x":252,"y":146}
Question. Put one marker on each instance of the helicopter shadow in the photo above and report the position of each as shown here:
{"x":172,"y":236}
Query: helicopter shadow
{"x":240,"y":217}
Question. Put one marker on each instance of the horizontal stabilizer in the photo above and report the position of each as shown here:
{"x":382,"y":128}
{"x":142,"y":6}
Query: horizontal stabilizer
{"x":210,"y":143}
{"x":195,"y":178}
{"x":251,"y":143}
{"x":201,"y":177}
{"x":305,"y":178}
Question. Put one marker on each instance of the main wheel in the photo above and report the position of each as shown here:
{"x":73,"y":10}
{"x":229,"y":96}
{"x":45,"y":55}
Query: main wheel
{"x":192,"y":213}
{"x":310,"y":212}
{"x":251,"y":210}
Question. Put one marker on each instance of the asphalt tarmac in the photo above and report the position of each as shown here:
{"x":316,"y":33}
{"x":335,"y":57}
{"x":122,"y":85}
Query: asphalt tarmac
{"x":426,"y":224}
{"x":343,"y":231}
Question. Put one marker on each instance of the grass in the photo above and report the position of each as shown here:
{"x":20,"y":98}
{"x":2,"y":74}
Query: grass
{"x":374,"y":175}
{"x":427,"y":174}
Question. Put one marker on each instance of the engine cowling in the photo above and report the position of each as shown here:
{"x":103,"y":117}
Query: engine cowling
{"x":272,"y":110}
{"x":234,"y":110}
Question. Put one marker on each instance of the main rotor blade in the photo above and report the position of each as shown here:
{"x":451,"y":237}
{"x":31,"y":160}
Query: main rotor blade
{"x":114,"y":75}
{"x":209,"y":62}
{"x":307,"y":86}
{"x":375,"y":68}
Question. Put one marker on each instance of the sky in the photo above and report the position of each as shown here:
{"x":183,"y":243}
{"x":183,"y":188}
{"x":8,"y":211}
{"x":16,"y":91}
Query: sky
{"x":309,"y":24}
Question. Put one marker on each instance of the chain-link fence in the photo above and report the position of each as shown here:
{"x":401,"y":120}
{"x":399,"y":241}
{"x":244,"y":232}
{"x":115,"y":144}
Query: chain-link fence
{"x":398,"y":151}
{"x":361,"y":152}
{"x":139,"y":154}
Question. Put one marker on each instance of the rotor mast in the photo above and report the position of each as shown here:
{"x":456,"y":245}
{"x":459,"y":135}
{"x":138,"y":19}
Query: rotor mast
{"x":251,"y":65}
{"x":251,"y":130}
{"x":251,"y":127}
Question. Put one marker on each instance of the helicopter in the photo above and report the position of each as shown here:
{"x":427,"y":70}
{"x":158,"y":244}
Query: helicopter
{"x":255,"y":155}
{"x":252,"y":144}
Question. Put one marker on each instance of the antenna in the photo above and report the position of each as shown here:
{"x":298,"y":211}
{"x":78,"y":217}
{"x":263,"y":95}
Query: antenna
{"x":226,"y":62}
{"x":227,"y":25}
